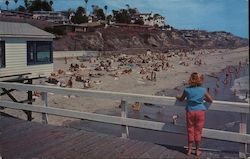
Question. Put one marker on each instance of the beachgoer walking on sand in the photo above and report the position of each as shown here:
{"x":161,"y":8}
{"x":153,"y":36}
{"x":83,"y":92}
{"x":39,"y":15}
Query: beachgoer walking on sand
{"x":70,"y":83}
{"x":65,"y":59}
{"x":167,"y":64}
{"x":152,"y":76}
{"x":154,"y":79}
{"x":195,"y":110}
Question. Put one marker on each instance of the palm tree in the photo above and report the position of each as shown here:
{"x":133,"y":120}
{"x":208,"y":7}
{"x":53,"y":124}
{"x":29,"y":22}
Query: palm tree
{"x":106,"y":8}
{"x":7,"y":4}
{"x":86,"y":2}
{"x":26,"y":3}
{"x":16,"y":3}
{"x":51,"y":3}
{"x":93,"y":8}
{"x":127,"y":5}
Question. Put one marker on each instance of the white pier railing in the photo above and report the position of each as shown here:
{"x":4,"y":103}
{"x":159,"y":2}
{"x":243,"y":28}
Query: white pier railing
{"x":242,"y":108}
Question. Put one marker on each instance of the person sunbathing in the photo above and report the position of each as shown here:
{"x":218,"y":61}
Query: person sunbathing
{"x":53,"y":78}
{"x":136,"y":106}
{"x":86,"y":84}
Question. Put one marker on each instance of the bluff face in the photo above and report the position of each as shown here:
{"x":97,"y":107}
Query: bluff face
{"x":125,"y":39}
{"x":115,"y":39}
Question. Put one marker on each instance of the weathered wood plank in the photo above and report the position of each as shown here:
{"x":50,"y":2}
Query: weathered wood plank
{"x":44,"y":145}
{"x":26,"y":141}
{"x":10,"y":134}
{"x":57,"y":150}
{"x":104,"y":149}
{"x":117,"y":148}
{"x":89,"y":150}
{"x":130,"y":151}
{"x":139,"y":150}
{"x":154,"y":151}
{"x":10,"y":146}
{"x":24,"y":145}
{"x":84,"y":143}
{"x":54,"y":147}
{"x":110,"y":148}
{"x":5,"y":122}
{"x":60,"y":142}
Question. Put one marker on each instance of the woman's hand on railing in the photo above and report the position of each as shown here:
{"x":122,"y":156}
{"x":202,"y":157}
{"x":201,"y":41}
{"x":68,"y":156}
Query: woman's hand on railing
{"x":178,"y":97}
{"x":181,"y":97}
{"x":208,"y":98}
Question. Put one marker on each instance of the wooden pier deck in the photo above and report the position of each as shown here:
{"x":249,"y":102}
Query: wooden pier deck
{"x":23,"y":139}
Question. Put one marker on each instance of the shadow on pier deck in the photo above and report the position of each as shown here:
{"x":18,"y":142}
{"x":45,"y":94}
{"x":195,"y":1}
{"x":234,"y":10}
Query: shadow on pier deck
{"x":23,"y":139}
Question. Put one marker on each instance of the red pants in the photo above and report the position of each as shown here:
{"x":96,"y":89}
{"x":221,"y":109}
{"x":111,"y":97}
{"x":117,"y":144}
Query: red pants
{"x":195,"y":123}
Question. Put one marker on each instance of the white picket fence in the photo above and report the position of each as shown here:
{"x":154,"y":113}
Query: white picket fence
{"x":243,"y":108}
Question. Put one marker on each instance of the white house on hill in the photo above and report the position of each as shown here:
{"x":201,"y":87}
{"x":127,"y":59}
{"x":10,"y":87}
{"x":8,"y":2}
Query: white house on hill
{"x":153,"y":19}
{"x":25,"y":49}
{"x":51,"y":16}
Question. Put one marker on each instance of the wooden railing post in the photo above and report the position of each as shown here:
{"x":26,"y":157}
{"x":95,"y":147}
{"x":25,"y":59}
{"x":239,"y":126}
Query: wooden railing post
{"x":30,"y":98}
{"x":44,"y":96}
{"x":0,"y":109}
{"x":124,"y":112}
{"x":243,"y":130}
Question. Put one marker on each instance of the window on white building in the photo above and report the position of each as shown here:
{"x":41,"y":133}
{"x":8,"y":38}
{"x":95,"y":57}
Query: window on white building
{"x":2,"y":54}
{"x":39,"y":52}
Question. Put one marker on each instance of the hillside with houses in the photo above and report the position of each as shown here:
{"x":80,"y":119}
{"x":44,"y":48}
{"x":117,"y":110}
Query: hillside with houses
{"x":124,"y":29}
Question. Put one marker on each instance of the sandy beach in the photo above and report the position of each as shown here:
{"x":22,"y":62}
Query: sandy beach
{"x":120,"y":79}
{"x":174,"y":76}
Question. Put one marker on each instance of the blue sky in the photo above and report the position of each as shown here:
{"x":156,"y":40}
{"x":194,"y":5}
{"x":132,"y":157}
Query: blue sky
{"x":211,"y":15}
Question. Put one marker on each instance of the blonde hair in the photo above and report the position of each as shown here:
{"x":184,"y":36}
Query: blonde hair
{"x":195,"y":79}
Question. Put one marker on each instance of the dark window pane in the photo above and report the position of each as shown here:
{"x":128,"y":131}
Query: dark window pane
{"x":2,"y":54}
{"x":30,"y":52}
{"x":43,"y":52}
{"x":39,"y":52}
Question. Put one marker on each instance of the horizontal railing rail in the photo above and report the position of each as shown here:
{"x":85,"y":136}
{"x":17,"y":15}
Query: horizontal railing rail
{"x":124,"y":121}
{"x":236,"y":107}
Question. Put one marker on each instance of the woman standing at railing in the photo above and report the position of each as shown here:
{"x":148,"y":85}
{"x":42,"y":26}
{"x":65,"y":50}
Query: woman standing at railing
{"x":195,"y":110}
